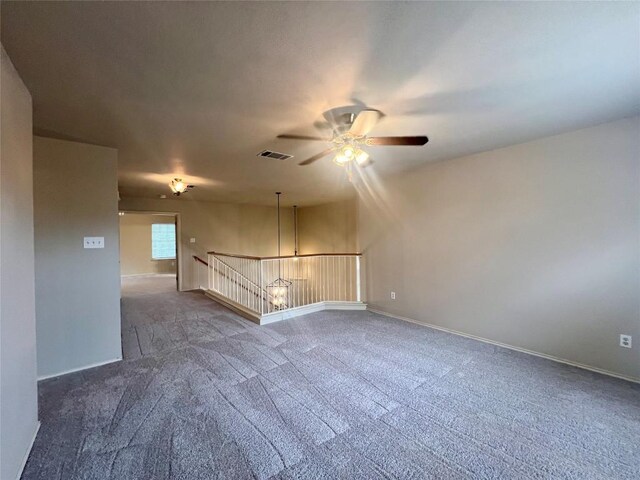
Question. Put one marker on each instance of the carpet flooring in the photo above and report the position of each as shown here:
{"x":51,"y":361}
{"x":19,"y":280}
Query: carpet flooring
{"x":205,"y":394}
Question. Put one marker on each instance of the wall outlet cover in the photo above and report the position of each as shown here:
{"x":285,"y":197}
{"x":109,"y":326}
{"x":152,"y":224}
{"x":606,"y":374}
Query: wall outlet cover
{"x":625,"y":341}
{"x":393,"y":295}
{"x":192,"y":240}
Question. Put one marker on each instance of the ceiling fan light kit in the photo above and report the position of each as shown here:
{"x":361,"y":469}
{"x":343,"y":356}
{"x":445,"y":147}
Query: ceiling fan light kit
{"x":348,"y":154}
{"x":350,"y":134}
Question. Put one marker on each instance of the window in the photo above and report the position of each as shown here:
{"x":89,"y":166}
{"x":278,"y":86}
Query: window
{"x":163,"y":241}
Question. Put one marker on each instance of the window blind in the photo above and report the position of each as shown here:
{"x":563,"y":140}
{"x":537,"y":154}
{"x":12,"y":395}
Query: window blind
{"x":163,"y":241}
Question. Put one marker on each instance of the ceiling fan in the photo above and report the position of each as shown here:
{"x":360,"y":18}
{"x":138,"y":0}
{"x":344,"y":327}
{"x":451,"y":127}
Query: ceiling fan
{"x":350,"y":135}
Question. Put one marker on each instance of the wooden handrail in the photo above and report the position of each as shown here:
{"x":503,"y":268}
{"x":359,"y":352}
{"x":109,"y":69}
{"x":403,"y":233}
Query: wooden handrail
{"x":198,"y":259}
{"x":249,"y":257}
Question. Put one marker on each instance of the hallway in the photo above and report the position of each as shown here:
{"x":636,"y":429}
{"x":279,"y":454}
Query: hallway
{"x":156,"y":317}
{"x":136,"y":285}
{"x":203,"y":394}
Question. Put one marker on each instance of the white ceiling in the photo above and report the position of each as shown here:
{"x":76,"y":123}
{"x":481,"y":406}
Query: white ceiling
{"x":200,"y":88}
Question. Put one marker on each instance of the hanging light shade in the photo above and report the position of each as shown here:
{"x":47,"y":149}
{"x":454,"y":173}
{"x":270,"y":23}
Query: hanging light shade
{"x":362,"y":158}
{"x":278,"y":292}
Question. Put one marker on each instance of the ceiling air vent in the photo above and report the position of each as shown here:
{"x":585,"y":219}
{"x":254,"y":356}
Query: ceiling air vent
{"x":276,"y":155}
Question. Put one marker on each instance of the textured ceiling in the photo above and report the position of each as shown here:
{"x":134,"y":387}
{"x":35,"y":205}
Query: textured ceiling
{"x":198,"y":89}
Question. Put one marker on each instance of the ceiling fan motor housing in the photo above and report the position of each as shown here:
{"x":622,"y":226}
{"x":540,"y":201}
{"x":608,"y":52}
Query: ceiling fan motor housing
{"x":341,"y":118}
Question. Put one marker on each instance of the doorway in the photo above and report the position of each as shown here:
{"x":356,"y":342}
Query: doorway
{"x":149,"y":252}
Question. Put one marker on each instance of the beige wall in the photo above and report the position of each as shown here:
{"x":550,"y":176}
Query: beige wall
{"x":222,"y":227}
{"x":135,"y":245}
{"x":535,"y":245}
{"x":77,"y":289}
{"x":18,"y":391}
{"x":328,"y":228}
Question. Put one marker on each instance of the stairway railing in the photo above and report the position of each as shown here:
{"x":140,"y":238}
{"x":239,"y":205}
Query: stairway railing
{"x":234,"y":284}
{"x":264,"y":285}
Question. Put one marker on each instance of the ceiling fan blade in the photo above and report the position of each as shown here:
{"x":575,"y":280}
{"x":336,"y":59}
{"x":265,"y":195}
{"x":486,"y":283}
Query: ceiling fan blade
{"x":317,"y":157}
{"x":364,"y":122}
{"x":302,"y":137}
{"x":415,"y":141}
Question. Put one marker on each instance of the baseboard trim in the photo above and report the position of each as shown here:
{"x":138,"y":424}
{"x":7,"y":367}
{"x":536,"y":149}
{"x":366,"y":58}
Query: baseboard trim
{"x":28,"y":452}
{"x":79,"y":369}
{"x":231,"y":305}
{"x":272,"y":317}
{"x":306,"y":309}
{"x":511,"y":347}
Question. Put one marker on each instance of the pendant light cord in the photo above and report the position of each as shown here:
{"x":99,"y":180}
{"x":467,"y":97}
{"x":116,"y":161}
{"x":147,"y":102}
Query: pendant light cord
{"x":295,"y":230}
{"x":278,"y":194}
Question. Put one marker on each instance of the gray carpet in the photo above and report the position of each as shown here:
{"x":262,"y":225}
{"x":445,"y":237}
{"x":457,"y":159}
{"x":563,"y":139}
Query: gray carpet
{"x":204,"y":394}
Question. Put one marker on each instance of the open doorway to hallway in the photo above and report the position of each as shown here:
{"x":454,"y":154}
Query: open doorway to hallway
{"x":149,"y":253}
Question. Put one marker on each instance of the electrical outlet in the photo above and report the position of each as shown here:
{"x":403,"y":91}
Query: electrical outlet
{"x":393,"y":295}
{"x":625,"y":341}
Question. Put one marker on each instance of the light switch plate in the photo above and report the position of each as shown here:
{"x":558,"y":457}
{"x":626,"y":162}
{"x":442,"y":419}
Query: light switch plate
{"x":192,"y":240}
{"x":93,"y":242}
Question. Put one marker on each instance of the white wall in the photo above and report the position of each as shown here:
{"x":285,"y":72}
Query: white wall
{"x":535,"y":245}
{"x":18,"y":390}
{"x":77,"y":289}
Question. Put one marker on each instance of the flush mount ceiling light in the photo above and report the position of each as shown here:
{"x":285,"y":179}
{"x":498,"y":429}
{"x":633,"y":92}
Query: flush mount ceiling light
{"x":179,"y":186}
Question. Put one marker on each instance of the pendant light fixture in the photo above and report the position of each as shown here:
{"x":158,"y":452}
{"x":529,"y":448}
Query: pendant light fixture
{"x":278,"y":290}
